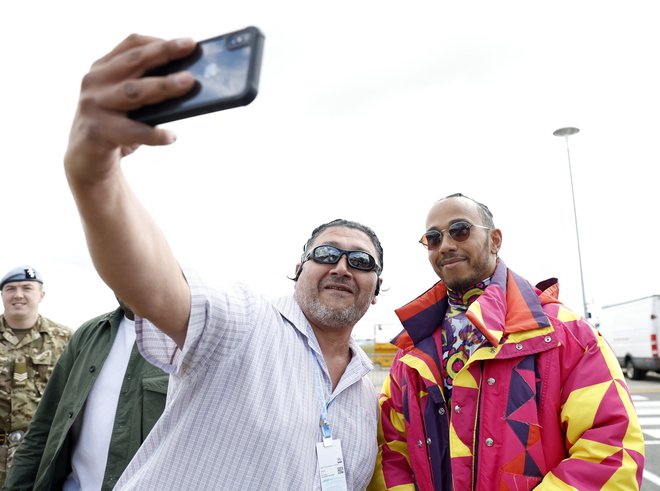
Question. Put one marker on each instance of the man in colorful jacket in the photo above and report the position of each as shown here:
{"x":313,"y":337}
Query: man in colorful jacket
{"x":496,"y":384}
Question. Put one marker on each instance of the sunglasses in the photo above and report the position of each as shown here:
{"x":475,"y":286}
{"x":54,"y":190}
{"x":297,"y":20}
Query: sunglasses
{"x":458,"y":231}
{"x":327,"y":254}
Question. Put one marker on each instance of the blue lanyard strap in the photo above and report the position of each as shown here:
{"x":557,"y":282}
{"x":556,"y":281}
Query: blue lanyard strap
{"x":323,"y":422}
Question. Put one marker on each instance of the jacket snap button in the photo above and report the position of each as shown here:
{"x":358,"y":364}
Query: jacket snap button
{"x":489,"y":442}
{"x":419,"y":443}
{"x":92,"y":369}
{"x":428,"y":440}
{"x":519,"y":346}
{"x":457,"y":408}
{"x":441,"y":411}
{"x":493,"y":350}
{"x":547,"y":339}
{"x":491,"y":381}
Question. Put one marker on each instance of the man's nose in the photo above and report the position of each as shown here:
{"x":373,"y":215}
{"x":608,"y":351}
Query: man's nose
{"x":342,"y":266}
{"x":447,"y":244}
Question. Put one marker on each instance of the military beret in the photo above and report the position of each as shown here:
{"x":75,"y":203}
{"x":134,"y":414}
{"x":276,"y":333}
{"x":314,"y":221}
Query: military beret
{"x":21,"y":273}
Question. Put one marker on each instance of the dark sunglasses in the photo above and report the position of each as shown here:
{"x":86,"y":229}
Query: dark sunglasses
{"x":458,"y":231}
{"x":327,"y":254}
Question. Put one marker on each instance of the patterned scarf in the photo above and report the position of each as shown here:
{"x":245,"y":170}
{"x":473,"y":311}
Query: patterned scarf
{"x":459,"y":336}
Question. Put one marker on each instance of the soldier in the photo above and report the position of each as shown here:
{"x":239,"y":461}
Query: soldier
{"x":30,"y":345}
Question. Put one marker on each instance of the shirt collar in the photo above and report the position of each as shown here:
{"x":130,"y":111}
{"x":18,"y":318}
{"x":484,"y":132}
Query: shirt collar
{"x":291,"y":311}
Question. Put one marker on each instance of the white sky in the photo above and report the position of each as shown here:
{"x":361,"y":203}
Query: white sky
{"x":367,"y":110}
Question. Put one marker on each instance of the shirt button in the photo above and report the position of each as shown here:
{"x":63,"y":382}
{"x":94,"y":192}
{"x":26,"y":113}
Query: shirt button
{"x":491,"y":381}
{"x":441,"y":411}
{"x":457,"y":408}
{"x":419,"y":443}
{"x":92,"y":369}
{"x":489,"y":442}
{"x":519,"y":346}
{"x":428,"y":441}
{"x":547,"y":339}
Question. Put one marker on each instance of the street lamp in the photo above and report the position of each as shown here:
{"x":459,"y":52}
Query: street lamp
{"x":566,"y":132}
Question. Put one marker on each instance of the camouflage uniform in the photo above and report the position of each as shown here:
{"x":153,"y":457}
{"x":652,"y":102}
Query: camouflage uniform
{"x":25,"y":365}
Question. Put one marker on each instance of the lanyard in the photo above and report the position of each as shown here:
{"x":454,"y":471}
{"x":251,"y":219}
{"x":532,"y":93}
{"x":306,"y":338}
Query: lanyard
{"x":326,"y":430}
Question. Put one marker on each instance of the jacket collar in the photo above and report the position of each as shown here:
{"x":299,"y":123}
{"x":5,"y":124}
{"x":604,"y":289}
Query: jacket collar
{"x":509,"y":304}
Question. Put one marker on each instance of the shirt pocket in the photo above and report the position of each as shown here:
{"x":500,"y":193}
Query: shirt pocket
{"x":39,"y":367}
{"x":154,"y":394}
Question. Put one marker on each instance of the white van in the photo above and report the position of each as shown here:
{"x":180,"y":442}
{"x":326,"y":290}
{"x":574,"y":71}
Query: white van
{"x":632,"y":329}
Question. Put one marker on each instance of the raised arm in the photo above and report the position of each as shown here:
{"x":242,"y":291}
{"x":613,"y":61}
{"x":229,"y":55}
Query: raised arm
{"x":128,"y":249}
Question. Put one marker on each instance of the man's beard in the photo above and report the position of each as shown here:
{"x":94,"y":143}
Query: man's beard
{"x":463,"y":284}
{"x":481,"y":272}
{"x":321,"y":314}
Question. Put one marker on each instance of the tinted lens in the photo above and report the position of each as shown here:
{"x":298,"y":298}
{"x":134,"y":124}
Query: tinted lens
{"x":361,"y":260}
{"x":432,"y":239}
{"x":459,"y":231}
{"x":326,"y":254}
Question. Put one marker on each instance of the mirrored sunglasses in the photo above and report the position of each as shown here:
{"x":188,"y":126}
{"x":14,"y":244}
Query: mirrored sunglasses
{"x":327,"y":254}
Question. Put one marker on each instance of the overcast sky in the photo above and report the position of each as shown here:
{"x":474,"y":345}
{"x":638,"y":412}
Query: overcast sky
{"x":367,"y":110}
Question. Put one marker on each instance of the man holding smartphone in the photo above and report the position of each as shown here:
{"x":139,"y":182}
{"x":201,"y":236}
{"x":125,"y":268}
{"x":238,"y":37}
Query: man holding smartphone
{"x":263,"y":394}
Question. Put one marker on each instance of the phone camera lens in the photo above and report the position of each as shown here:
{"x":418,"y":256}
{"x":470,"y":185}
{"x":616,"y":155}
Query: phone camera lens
{"x":239,"y":39}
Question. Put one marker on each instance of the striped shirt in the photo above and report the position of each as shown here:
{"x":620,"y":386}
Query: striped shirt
{"x":242,"y":409}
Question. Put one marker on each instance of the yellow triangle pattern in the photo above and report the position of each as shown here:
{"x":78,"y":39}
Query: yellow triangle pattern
{"x":456,"y":447}
{"x":399,"y":447}
{"x":396,"y":418}
{"x":593,"y":451}
{"x":419,"y":365}
{"x":566,"y":315}
{"x":465,"y":379}
{"x":579,"y":410}
{"x":550,"y":481}
{"x":621,"y":478}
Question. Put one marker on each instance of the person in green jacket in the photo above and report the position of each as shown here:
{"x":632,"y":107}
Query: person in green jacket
{"x":100,"y":403}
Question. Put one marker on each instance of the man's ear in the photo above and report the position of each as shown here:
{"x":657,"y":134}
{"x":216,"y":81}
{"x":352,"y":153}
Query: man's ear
{"x":495,"y":240}
{"x":379,"y":283}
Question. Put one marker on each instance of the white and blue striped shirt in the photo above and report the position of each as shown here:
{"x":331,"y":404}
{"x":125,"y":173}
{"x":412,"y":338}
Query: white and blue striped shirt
{"x":242,"y":410}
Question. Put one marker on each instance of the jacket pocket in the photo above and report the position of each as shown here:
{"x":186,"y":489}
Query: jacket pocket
{"x":40,"y":367}
{"x":154,"y":394}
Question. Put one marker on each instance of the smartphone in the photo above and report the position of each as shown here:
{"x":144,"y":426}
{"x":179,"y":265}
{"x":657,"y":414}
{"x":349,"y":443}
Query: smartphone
{"x":226,"y":69}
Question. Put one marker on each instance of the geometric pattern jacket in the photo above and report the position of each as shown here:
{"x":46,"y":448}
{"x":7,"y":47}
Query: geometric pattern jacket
{"x":541,"y":404}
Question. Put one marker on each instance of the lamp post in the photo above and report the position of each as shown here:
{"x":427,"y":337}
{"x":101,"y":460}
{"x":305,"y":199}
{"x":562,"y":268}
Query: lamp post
{"x":566,"y":132}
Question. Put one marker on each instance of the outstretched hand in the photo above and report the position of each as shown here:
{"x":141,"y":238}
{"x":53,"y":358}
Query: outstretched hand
{"x":102,"y":132}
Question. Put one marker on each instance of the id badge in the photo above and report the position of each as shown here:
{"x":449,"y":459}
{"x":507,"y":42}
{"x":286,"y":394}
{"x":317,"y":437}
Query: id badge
{"x":331,"y":466}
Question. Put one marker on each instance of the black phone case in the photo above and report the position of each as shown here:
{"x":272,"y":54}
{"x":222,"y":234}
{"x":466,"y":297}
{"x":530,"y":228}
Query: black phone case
{"x":174,"y":109}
